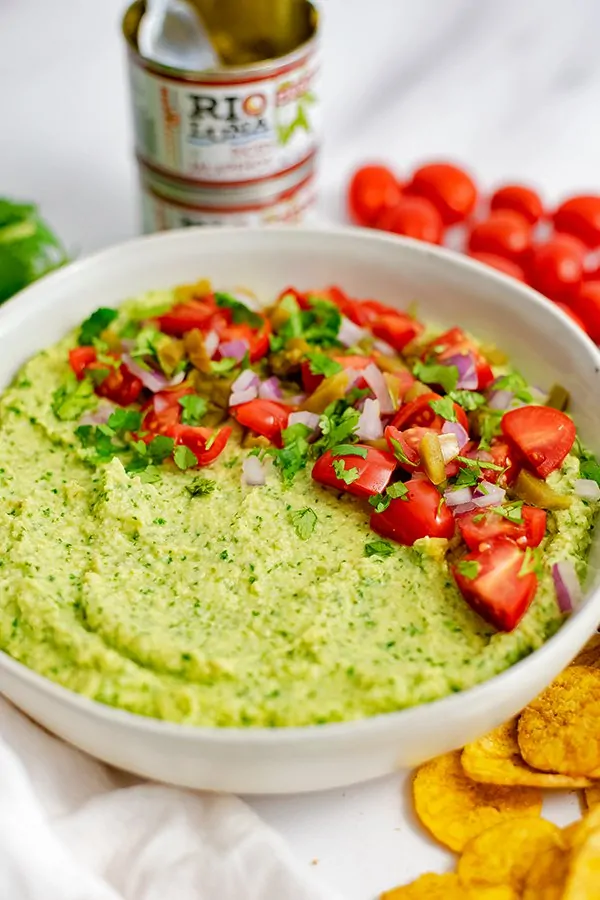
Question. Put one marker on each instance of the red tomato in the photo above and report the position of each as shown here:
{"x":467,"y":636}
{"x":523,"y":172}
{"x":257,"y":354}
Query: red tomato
{"x":80,"y":358}
{"x":421,"y":513}
{"x":374,"y":471}
{"x":586,"y":305}
{"x":164,"y":410}
{"x":120,"y":385}
{"x":455,"y":342}
{"x":354,"y":310}
{"x":556,"y":267}
{"x":372,"y":189}
{"x":414,"y":217}
{"x":396,"y":329}
{"x":405,"y":379}
{"x":502,"y":455}
{"x":301,"y":299}
{"x":544,"y":436}
{"x":580,"y":216}
{"x":520,"y":199}
{"x":373,"y":309}
{"x":409,"y":442}
{"x":498,"y":592}
{"x":193,"y":314}
{"x":499,"y":262}
{"x":265,"y":417}
{"x":573,"y":315}
{"x":419,"y":413}
{"x":449,"y":188}
{"x":482,"y":526}
{"x":257,"y":339}
{"x":504,"y":233}
{"x":196,"y":439}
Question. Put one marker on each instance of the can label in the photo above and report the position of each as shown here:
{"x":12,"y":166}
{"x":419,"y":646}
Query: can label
{"x":227,"y":131}
{"x":159,"y":214}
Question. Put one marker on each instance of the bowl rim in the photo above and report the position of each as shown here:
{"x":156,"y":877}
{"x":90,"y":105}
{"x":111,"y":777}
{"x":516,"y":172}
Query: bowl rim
{"x":585,"y":619}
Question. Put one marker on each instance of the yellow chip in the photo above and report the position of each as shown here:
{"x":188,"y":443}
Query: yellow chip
{"x":445,"y":887}
{"x":559,"y":731}
{"x":506,"y":853}
{"x":546,"y":878}
{"x":496,"y":759}
{"x":569,"y":832}
{"x":590,"y":654}
{"x":592,"y":796}
{"x":455,"y":809}
{"x":583,"y":879}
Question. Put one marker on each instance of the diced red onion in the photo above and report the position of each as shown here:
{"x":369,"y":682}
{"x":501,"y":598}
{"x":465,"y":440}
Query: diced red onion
{"x":234,"y":349}
{"x":177,"y":379}
{"x":270,"y":389}
{"x":449,"y":446}
{"x":463,"y":508}
{"x":253,"y":471}
{"x":568,"y":589}
{"x":99,"y":416}
{"x":376,"y":382}
{"x":245,"y":380}
{"x":350,"y":334}
{"x":488,"y":494}
{"x":587,"y":489}
{"x":501,"y":399}
{"x":458,"y":497}
{"x":211,"y":342}
{"x":153,"y":381}
{"x":384,"y":348}
{"x":236,"y":398}
{"x":369,"y":424}
{"x":303,"y":417}
{"x":458,"y":431}
{"x":467,"y":373}
{"x":296,"y":400}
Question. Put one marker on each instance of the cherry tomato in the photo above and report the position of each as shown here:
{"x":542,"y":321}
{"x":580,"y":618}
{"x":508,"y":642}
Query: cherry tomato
{"x":499,"y":454}
{"x":265,"y":417}
{"x":422,"y":512}
{"x":164,"y":410}
{"x":556,"y":267}
{"x":456,"y":343}
{"x":414,"y":217}
{"x":586,"y":305}
{"x":544,"y":436}
{"x":504,"y":233}
{"x":498,"y":590}
{"x":482,"y":526}
{"x":256,"y":338}
{"x":193,"y":314}
{"x":520,"y":199}
{"x":372,"y":190}
{"x":120,"y":385}
{"x":573,"y":315}
{"x":580,"y":216}
{"x":80,"y":358}
{"x":499,"y":262}
{"x":396,"y":329}
{"x":196,"y":439}
{"x":405,"y":445}
{"x":374,"y":471}
{"x":449,"y":188}
{"x":419,"y":413}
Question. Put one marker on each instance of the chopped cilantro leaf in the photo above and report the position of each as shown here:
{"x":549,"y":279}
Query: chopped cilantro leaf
{"x":338,"y":425}
{"x":511,"y":511}
{"x":293,"y":456}
{"x":444,"y":407}
{"x":73,"y":398}
{"x":241,"y":314}
{"x":123,"y":420}
{"x":304,"y":521}
{"x":101,"y":438}
{"x":160,"y":448}
{"x":194,"y":409}
{"x":468,"y":568}
{"x":319,"y":324}
{"x":349,"y":450}
{"x":433,"y":373}
{"x":320,"y":364}
{"x":489,"y":426}
{"x":212,"y":439}
{"x":516,"y":384}
{"x":222,"y":366}
{"x":398,"y":451}
{"x":380,"y":502}
{"x":348,"y":476}
{"x":200,"y":487}
{"x":532,"y":562}
{"x":146,"y":344}
{"x":469,"y":400}
{"x":398,"y":489}
{"x":97,"y":376}
{"x":378,"y":548}
{"x":588,"y":464}
{"x":184,"y":458}
{"x":95,"y":325}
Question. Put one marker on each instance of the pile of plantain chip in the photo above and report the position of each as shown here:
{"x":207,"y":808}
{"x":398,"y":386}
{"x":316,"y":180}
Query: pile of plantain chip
{"x":485,"y":802}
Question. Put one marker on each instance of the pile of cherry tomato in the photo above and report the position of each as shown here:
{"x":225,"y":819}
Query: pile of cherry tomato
{"x":553,"y":250}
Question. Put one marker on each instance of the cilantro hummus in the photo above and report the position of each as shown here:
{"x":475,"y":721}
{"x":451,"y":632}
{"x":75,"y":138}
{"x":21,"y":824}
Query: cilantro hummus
{"x":242,"y":589}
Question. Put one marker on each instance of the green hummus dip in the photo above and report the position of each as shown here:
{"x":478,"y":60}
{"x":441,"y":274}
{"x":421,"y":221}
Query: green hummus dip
{"x":218,"y":608}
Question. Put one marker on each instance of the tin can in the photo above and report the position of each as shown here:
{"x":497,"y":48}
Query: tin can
{"x":166,"y":205}
{"x":231,"y":126}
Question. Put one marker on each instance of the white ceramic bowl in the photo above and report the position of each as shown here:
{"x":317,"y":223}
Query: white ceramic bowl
{"x":449,"y":289}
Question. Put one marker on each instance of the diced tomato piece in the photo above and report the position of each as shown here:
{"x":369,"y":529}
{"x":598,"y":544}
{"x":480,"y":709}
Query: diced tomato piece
{"x":396,"y":329}
{"x":421,"y":513}
{"x":408,"y":443}
{"x":456,"y":343}
{"x":80,"y":358}
{"x":544,"y":436}
{"x":374,"y":471}
{"x":164,"y":410}
{"x":502,"y":455}
{"x":196,"y":439}
{"x":482,"y":526}
{"x":265,"y":417}
{"x":354,"y":310}
{"x":374,"y":309}
{"x":257,"y":339}
{"x":419,"y":413}
{"x":301,"y":299}
{"x":194,"y":314}
{"x":120,"y":385}
{"x":498,"y":592}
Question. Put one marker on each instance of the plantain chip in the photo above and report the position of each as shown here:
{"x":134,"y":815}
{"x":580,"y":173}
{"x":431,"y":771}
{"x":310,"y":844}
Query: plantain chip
{"x":455,"y":809}
{"x":559,"y":731}
{"x":583,"y":878}
{"x":546,"y":878}
{"x":496,"y":759}
{"x":445,"y":887}
{"x":506,"y":853}
{"x":592,"y":796}
{"x":590,"y":654}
